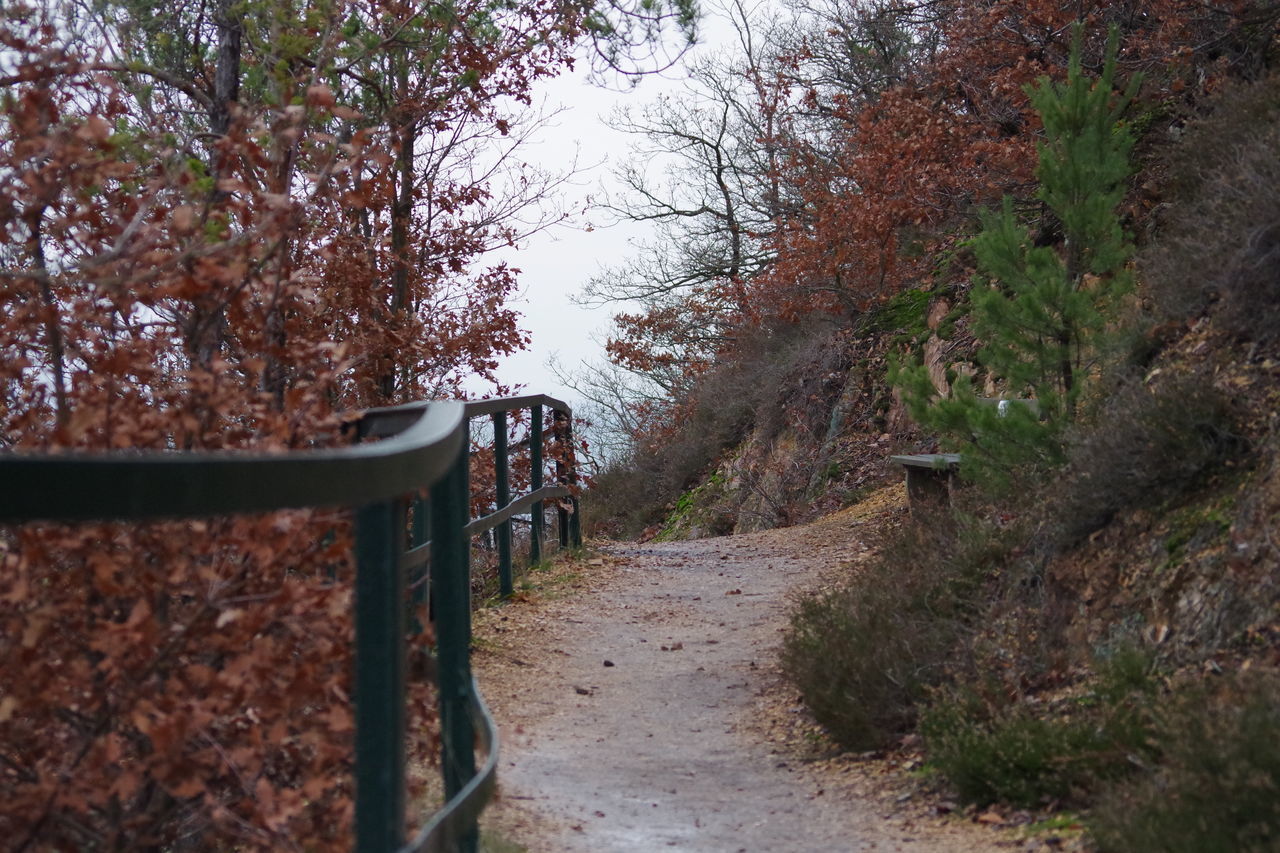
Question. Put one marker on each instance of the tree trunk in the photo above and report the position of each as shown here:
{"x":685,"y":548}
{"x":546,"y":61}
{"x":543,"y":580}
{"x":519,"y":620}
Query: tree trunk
{"x":205,"y":326}
{"x":401,"y":215}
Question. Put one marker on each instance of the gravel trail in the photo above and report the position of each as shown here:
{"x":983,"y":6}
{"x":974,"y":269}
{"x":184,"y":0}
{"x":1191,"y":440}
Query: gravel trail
{"x":631,"y":708}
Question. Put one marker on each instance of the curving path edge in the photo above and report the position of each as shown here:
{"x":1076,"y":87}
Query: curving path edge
{"x":629,"y":706}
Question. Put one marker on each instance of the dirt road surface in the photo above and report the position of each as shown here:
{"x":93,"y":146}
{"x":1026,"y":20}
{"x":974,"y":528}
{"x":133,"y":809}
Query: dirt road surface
{"x":641,"y":708}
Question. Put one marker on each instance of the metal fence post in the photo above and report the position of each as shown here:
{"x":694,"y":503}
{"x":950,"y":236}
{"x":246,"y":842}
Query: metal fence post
{"x":561,"y":420}
{"x":535,"y":483}
{"x":506,"y":585}
{"x":379,"y":678}
{"x":571,"y":459}
{"x":451,"y":591}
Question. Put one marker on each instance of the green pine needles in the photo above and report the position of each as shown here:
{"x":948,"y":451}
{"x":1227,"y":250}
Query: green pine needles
{"x":1042,"y":311}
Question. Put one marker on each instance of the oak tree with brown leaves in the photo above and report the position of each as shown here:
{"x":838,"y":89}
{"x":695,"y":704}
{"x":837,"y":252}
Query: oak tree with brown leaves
{"x":222,"y":225}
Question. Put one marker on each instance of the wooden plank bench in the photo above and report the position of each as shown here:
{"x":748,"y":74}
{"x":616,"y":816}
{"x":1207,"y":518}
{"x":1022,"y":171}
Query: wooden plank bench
{"x":929,"y":477}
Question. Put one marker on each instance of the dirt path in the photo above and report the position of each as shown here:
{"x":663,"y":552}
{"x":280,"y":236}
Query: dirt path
{"x":643,"y":711}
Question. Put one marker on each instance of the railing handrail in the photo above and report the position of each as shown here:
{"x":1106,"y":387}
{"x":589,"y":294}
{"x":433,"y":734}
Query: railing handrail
{"x":424,"y":445}
{"x":70,"y":486}
{"x":462,"y":810}
{"x":476,"y":408}
{"x":516,"y":507}
{"x":390,"y":420}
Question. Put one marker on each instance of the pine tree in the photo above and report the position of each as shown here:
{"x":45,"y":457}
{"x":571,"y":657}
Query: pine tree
{"x":1042,"y":310}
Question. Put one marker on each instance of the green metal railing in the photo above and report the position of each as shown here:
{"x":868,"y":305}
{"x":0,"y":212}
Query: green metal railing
{"x":423,"y":446}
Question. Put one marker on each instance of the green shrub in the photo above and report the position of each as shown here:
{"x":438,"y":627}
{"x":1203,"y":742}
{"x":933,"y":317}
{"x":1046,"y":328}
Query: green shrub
{"x":1217,"y":789}
{"x":698,"y":509}
{"x":1028,"y":755}
{"x":864,"y":654}
{"x":1147,"y":445}
{"x":903,"y":314}
{"x":1016,"y":757}
{"x":1221,"y":244}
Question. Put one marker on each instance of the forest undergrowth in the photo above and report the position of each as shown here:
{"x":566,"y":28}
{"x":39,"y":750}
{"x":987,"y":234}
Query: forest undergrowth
{"x":1091,"y":627}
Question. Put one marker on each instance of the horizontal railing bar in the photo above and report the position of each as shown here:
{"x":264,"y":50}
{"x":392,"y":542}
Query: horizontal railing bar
{"x":415,"y":557}
{"x":390,"y":420}
{"x":475,"y":408}
{"x":421,"y":555}
{"x":459,"y":815}
{"x":162,"y":484}
{"x":517,"y":506}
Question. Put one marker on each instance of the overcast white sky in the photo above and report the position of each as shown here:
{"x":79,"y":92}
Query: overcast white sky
{"x":557,"y":263}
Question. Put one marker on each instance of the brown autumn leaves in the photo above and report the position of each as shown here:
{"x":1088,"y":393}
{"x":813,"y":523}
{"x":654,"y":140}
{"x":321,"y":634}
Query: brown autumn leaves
{"x":221,"y":225}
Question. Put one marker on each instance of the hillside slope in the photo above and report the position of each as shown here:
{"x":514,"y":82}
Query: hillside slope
{"x":1103,"y":635}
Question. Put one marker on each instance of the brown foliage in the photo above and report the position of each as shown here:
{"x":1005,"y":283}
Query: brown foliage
{"x":180,"y":685}
{"x":175,"y":681}
{"x":880,"y":173}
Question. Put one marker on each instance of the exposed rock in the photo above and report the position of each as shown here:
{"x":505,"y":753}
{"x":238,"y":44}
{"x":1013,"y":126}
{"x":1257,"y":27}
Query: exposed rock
{"x":938,"y":312}
{"x":936,"y":362}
